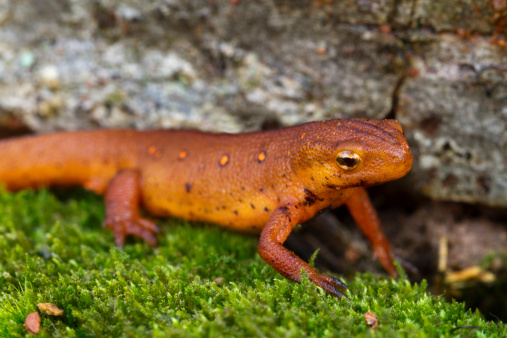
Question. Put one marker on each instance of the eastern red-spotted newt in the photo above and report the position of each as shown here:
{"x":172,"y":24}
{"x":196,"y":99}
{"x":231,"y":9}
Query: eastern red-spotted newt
{"x":265,"y":182}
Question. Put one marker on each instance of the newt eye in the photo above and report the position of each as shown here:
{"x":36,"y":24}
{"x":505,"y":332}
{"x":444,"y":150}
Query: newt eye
{"x":348,"y":160}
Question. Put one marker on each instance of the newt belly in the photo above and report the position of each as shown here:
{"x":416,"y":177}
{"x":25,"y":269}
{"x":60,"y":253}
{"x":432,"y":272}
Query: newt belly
{"x":264,"y":182}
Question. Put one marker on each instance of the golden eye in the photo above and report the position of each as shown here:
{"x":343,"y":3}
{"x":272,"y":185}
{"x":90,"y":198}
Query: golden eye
{"x":348,"y":160}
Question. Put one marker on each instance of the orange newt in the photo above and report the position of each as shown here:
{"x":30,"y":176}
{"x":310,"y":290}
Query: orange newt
{"x":265,"y":182}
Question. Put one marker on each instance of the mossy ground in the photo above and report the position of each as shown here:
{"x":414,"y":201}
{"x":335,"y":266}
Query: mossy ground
{"x":55,"y":250}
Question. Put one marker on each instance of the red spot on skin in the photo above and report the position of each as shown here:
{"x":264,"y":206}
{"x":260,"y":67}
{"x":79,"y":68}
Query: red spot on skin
{"x":182,"y":155}
{"x":261,"y":157}
{"x":224,"y":160}
{"x":154,"y":152}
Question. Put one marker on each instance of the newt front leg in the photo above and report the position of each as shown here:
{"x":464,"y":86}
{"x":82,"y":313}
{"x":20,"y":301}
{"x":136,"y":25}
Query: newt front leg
{"x":271,"y":249}
{"x":122,"y":209}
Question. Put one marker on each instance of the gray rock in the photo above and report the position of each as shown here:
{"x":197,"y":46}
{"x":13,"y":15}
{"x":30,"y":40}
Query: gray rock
{"x":455,"y":113}
{"x":221,"y":66}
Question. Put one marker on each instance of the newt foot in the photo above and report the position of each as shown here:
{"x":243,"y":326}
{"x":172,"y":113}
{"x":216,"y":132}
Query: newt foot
{"x":139,"y":227}
{"x":331,"y":285}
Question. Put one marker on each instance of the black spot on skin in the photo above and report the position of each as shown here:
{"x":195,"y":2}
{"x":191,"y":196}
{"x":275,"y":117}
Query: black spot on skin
{"x":286,"y":185}
{"x":310,"y":198}
{"x":261,"y":189}
{"x":286,"y":211}
{"x":236,"y":212}
{"x":223,"y":207}
{"x":266,"y":209}
{"x":273,"y":186}
{"x":332,"y":186}
{"x":253,"y":206}
{"x":327,"y":178}
{"x":243,"y":188}
{"x":311,"y":177}
{"x":240,"y":200}
{"x":188,"y":187}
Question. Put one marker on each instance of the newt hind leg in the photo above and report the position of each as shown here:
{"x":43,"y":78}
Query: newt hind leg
{"x":122,"y":199}
{"x":271,"y":249}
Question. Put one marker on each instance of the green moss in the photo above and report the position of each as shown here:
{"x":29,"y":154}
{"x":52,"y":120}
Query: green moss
{"x":56,"y":251}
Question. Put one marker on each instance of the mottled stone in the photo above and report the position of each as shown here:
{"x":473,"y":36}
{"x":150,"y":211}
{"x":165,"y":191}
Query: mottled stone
{"x":201,"y":65}
{"x":444,"y":15}
{"x":455,"y":113}
{"x":246,"y":65}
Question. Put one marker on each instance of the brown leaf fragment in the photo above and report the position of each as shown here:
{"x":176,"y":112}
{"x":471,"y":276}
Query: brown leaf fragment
{"x":371,"y":319}
{"x":32,"y":323}
{"x":219,"y":281}
{"x":50,"y":309}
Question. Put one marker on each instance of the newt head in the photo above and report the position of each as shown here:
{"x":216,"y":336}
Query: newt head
{"x":351,"y":153}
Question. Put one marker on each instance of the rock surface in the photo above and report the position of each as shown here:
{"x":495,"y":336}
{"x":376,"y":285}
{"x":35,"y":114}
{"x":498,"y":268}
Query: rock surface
{"x":440,"y":67}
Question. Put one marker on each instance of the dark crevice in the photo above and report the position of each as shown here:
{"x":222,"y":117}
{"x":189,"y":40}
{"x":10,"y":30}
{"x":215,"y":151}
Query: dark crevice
{"x":393,"y":13}
{"x":395,"y":97}
{"x":412,"y":13}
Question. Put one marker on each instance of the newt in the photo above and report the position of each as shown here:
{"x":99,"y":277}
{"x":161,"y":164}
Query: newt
{"x":263,"y":182}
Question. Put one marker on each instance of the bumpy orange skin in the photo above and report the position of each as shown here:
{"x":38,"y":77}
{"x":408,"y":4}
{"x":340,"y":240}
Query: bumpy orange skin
{"x":264,"y":182}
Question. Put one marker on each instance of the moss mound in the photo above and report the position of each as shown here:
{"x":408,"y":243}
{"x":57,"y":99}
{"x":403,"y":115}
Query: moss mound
{"x":200,"y":281}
